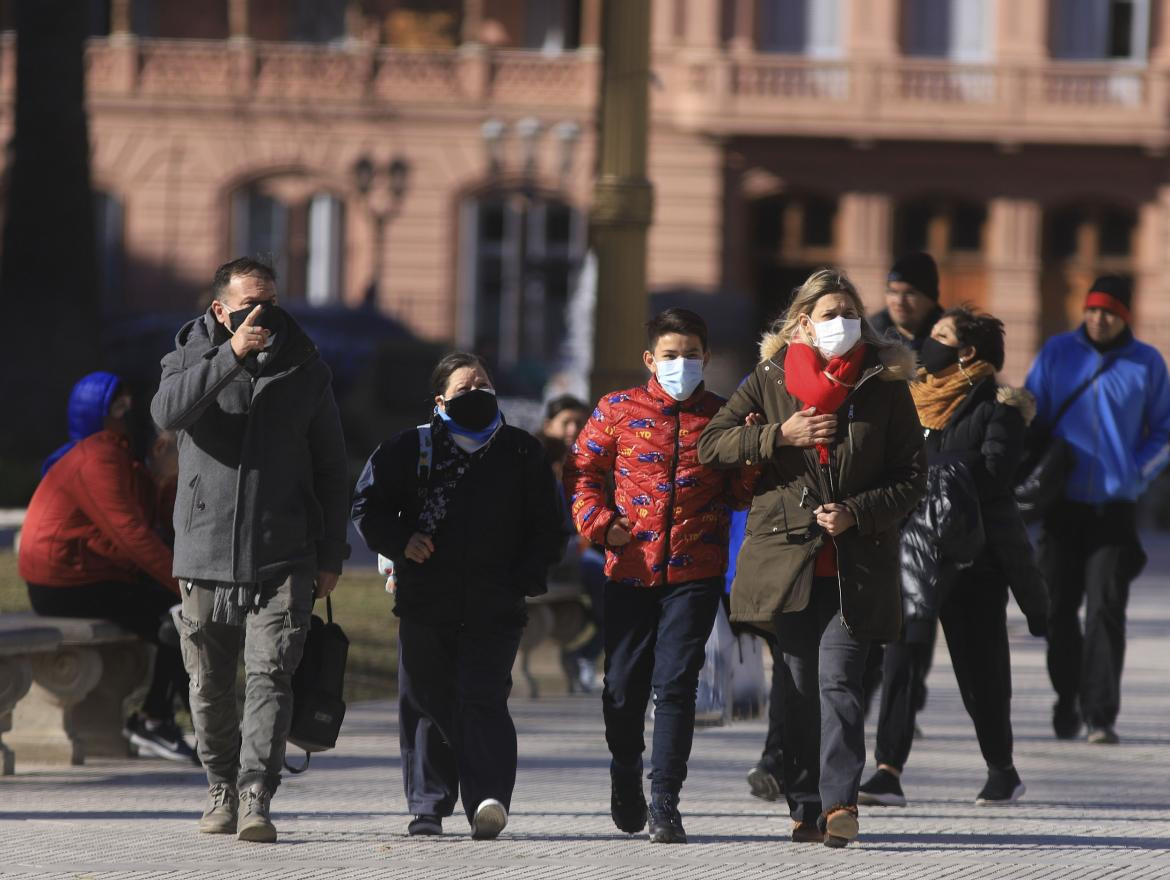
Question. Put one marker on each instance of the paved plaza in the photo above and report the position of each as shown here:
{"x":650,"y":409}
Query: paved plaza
{"x":1090,"y":811}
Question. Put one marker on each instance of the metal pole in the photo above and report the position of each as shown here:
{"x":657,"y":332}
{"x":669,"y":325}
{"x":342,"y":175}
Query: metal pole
{"x":623,"y":198}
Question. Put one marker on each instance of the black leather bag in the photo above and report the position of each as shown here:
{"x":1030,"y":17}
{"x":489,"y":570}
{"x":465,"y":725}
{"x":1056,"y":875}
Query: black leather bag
{"x":1043,"y":473}
{"x":318,"y":685}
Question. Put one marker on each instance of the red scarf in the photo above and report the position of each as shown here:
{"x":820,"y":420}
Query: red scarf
{"x":823,"y":384}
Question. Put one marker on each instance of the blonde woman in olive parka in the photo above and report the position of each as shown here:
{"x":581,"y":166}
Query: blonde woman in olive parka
{"x":830,"y":419}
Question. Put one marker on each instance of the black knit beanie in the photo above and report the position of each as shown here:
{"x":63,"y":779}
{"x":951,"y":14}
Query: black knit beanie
{"x":919,"y":271}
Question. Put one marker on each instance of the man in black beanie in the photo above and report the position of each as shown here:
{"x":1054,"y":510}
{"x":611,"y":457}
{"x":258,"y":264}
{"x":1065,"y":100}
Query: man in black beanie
{"x":911,"y":300}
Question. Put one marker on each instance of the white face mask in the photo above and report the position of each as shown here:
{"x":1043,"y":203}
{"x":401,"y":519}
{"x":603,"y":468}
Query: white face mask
{"x":837,"y":336}
{"x":679,"y":377}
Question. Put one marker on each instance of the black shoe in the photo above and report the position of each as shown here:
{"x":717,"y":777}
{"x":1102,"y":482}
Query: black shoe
{"x":424,"y":825}
{"x":764,"y":779}
{"x":1103,"y":736}
{"x":883,"y":789}
{"x":1066,"y":719}
{"x":665,"y":822}
{"x":627,"y":802}
{"x":162,"y":739}
{"x":1002,"y":787}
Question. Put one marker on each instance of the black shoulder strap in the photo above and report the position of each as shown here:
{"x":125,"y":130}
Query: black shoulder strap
{"x":1080,"y":389}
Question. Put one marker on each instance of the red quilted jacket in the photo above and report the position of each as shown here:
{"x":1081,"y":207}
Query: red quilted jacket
{"x":680,"y":510}
{"x":90,"y":520}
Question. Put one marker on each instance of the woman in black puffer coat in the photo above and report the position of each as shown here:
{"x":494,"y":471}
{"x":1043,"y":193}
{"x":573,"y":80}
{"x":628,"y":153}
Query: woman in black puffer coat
{"x":961,"y":550}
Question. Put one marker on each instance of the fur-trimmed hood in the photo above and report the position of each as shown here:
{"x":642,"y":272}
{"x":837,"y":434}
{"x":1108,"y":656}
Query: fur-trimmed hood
{"x":898,"y":360}
{"x":1021,"y":398}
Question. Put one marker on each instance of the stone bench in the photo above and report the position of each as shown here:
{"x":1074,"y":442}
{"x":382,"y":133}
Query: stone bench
{"x":558,"y":615}
{"x":64,"y":686}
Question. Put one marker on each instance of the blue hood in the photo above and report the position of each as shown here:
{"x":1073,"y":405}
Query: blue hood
{"x":89,"y":403}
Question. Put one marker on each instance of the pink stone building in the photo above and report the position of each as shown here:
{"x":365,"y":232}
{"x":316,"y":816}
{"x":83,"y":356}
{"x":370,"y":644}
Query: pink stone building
{"x":1022,"y":142}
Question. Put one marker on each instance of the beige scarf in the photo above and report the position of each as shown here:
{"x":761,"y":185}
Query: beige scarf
{"x":937,"y":397}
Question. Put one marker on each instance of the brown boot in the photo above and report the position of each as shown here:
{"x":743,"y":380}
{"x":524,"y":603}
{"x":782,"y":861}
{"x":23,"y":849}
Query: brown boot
{"x":806,"y":832}
{"x":840,"y":826}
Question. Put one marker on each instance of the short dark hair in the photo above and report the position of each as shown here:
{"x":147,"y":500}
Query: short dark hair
{"x":237,"y":268}
{"x":681,"y":321}
{"x":562,"y":402}
{"x":982,"y":332}
{"x":456,"y":360}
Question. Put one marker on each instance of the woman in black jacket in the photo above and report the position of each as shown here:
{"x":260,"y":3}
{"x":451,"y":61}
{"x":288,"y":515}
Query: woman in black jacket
{"x":467,"y":510}
{"x":972,"y":425}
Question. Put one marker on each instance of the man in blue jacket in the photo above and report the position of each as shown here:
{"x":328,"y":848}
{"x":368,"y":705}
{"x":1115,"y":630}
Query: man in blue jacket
{"x":1119,"y":431}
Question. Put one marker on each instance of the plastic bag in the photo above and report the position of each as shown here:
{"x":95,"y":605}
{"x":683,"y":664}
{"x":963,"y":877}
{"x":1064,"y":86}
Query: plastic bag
{"x":713,"y":704}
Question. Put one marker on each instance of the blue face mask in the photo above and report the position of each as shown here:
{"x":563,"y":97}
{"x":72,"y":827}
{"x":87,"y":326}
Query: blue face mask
{"x":679,"y":377}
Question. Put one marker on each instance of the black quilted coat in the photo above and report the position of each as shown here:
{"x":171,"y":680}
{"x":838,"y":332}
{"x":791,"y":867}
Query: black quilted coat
{"x":969,"y":520}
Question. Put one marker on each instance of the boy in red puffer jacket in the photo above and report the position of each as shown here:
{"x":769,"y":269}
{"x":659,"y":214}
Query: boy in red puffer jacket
{"x":665,"y":530}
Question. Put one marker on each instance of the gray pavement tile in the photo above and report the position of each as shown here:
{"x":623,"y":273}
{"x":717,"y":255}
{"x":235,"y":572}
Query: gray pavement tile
{"x":1090,"y":811}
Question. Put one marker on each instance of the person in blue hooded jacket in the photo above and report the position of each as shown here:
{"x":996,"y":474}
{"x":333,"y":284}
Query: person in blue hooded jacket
{"x":1119,"y":431}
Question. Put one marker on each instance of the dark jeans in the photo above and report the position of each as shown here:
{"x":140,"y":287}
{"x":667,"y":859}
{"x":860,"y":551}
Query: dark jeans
{"x":824,"y":732}
{"x":455,"y":732}
{"x":140,"y":608}
{"x":1089,"y":554}
{"x":654,"y":641}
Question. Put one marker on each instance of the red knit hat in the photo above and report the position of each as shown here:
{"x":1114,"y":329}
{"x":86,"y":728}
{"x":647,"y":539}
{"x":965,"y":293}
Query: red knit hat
{"x":1113,"y":294}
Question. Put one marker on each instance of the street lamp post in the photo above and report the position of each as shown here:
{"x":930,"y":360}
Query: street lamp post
{"x":383,"y":208}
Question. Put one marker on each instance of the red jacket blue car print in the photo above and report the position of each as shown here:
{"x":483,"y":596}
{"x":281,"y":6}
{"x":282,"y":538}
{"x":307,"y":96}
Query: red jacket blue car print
{"x":647,"y":443}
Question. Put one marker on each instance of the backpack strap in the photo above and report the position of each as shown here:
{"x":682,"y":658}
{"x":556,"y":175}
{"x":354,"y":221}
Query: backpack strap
{"x":426,"y":452}
{"x":1080,"y":389}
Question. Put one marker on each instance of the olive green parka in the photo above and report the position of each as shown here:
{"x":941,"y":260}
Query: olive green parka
{"x":877,"y":470}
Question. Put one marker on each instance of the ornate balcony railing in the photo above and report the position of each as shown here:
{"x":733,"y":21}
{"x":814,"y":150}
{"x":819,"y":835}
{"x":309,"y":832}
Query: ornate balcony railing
{"x":721,"y":93}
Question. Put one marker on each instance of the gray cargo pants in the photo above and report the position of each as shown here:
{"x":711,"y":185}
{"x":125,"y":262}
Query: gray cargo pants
{"x":273,"y":639}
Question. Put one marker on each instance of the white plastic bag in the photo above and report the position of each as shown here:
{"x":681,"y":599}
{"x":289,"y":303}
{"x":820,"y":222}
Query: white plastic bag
{"x":749,"y":685}
{"x":713,"y":705}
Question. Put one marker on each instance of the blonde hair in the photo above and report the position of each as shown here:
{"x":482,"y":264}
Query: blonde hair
{"x":804,"y":300}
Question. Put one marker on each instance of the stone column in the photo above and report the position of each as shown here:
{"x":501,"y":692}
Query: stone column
{"x":238,"y":19}
{"x":120,"y":17}
{"x":703,"y":24}
{"x":1021,"y":31}
{"x":873,"y":29}
{"x":623,"y":198}
{"x":1152,"y":273}
{"x":590,"y":24}
{"x":15,"y":680}
{"x":743,"y":27}
{"x":41,"y":729}
{"x":472,"y":20}
{"x":1013,"y":279}
{"x":865,"y":223}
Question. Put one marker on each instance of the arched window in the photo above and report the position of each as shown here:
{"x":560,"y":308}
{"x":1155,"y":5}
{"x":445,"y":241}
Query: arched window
{"x":519,"y":257}
{"x":300,"y":227}
{"x":952,"y":231}
{"x":1081,"y":242}
{"x":792,"y":234}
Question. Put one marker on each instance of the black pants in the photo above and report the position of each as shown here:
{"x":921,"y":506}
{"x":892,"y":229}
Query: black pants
{"x":903,"y":667}
{"x":875,"y":670}
{"x":141,"y":608}
{"x":455,"y":732}
{"x":824,"y":732}
{"x":774,"y":741}
{"x":654,"y":641}
{"x":1089,"y":555}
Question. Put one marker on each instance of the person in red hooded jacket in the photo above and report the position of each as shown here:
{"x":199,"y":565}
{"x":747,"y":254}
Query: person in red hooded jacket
{"x":665,"y":530}
{"x":89,"y":548}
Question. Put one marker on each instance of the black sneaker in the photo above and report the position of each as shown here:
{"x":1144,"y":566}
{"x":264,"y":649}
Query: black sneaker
{"x":627,"y":802}
{"x":883,"y":789}
{"x":1002,"y":787}
{"x":665,"y":822}
{"x":764,"y":779}
{"x":162,"y":739}
{"x":425,"y":825}
{"x":1066,"y":719}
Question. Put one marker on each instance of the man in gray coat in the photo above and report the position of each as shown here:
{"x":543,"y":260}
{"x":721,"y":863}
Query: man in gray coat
{"x":260,"y":522}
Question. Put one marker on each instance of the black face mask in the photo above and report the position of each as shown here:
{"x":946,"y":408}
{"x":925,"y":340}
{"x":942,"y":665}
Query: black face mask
{"x":936,"y":357}
{"x":473,"y":410}
{"x":271,"y":317}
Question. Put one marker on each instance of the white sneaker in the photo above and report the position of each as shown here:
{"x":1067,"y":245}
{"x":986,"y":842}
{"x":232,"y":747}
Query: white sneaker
{"x":490,"y":819}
